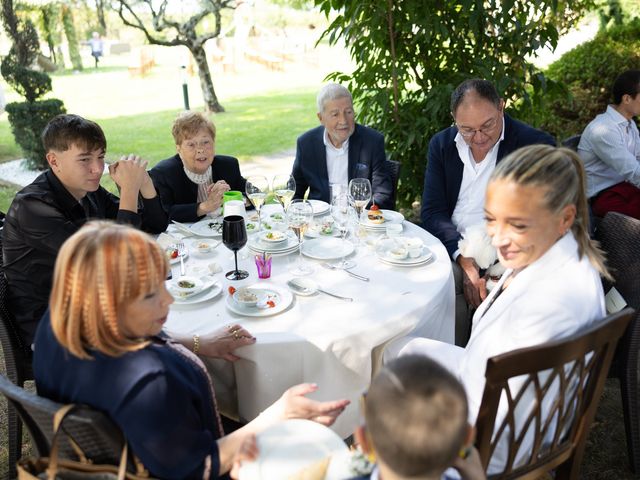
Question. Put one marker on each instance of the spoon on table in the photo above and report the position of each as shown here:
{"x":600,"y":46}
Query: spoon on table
{"x":331,"y":266}
{"x":305,"y":287}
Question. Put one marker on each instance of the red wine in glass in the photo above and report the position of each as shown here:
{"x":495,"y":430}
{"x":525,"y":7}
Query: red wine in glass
{"x":234,"y":237}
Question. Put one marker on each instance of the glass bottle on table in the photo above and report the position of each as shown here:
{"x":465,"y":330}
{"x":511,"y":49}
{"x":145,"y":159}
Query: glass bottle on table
{"x":299,"y":216}
{"x":257,"y":188}
{"x":284,"y":187}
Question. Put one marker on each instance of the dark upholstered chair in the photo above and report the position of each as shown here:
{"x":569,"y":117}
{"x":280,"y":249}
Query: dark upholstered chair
{"x":568,"y":375}
{"x":98,"y":437}
{"x":619,"y":237}
{"x":572,"y":142}
{"x":393,"y":167}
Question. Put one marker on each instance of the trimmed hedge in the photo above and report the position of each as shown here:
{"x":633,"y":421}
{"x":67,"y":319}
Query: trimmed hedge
{"x":588,"y":72}
{"x":27,"y":122}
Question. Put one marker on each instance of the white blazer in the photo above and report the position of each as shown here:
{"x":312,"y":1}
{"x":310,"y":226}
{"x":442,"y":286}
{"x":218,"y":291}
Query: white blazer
{"x":554,"y":297}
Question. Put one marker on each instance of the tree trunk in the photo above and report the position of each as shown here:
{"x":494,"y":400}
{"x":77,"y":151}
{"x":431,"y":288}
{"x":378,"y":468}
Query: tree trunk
{"x":72,"y":39}
{"x":101,"y":18}
{"x":206,"y":84}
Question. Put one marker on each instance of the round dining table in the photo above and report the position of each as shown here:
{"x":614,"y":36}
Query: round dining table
{"x":320,"y":339}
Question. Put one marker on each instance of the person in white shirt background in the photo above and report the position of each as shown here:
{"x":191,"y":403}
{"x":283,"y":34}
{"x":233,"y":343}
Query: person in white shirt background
{"x":610,"y":150}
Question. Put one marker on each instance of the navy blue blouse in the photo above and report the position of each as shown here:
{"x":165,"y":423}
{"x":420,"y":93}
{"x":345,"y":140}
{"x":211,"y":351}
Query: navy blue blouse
{"x":161,"y":399}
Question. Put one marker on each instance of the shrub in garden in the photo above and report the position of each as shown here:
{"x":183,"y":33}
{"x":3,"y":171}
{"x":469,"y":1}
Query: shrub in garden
{"x":588,"y":71}
{"x":27,"y":118}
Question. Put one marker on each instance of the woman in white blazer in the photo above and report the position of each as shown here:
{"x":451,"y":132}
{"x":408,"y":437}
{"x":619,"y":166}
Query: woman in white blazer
{"x":536,"y":213}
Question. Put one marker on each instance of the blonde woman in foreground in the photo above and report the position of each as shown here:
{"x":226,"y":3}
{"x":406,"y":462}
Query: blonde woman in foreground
{"x":100,"y":345}
{"x":536,"y":214}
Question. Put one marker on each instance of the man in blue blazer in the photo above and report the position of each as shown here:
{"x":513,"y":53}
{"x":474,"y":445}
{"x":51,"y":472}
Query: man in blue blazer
{"x":459,"y":163}
{"x":340,"y":150}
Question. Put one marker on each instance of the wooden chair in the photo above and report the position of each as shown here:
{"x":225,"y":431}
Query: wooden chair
{"x":98,"y":437}
{"x":556,"y":396}
{"x":619,"y":237}
{"x":393,"y":167}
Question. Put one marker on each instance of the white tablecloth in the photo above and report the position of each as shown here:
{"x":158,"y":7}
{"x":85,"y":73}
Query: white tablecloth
{"x":321,"y":339}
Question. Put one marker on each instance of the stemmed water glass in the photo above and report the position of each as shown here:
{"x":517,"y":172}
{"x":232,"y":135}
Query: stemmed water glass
{"x":341,"y":212}
{"x":360,"y":191}
{"x":284,"y":187}
{"x":234,"y":237}
{"x":299,"y":216}
{"x":257,"y":188}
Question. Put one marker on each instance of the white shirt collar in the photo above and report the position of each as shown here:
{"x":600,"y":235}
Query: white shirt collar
{"x":616,"y":116}
{"x":461,"y":143}
{"x":328,"y":144}
{"x":198,"y":178}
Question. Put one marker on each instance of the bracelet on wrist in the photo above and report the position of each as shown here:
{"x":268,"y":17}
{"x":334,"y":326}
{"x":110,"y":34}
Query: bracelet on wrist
{"x":196,"y":343}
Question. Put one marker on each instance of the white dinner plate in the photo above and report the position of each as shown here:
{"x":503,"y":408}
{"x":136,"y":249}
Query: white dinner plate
{"x":389,"y":217}
{"x":319,"y":207}
{"x":279,"y":247}
{"x":408,"y":262}
{"x":290,"y":446}
{"x":281,"y":296}
{"x":207,"y":293}
{"x":327,"y":248}
{"x":208,"y":227}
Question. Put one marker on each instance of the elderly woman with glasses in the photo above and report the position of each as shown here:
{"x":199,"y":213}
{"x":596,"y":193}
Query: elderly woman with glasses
{"x":101,"y":345}
{"x":192,"y":182}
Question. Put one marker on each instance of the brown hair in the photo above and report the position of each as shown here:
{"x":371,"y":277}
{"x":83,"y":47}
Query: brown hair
{"x":560,"y":172}
{"x":416,"y":415}
{"x":64,"y":130}
{"x":99,"y":271}
{"x":188,"y":124}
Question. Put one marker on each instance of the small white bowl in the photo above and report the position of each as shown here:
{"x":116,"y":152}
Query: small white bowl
{"x":204,"y":246}
{"x":415,"y":252}
{"x":273,"y":236}
{"x":246,"y":297}
{"x":186,"y":285}
{"x":398,"y":253}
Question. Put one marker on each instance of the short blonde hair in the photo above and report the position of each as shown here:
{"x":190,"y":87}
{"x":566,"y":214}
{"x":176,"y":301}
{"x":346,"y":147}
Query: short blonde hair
{"x":188,"y":124}
{"x":100,"y":270}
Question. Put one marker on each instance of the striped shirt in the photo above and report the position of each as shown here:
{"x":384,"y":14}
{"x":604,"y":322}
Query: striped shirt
{"x":610,"y":150}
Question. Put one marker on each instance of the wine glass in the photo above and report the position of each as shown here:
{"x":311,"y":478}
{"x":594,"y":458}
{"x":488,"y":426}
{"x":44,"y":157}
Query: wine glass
{"x":284,"y":187}
{"x":341,"y":211}
{"x":234,"y":237}
{"x":299,"y":216}
{"x":360,"y":191}
{"x":256,"y":188}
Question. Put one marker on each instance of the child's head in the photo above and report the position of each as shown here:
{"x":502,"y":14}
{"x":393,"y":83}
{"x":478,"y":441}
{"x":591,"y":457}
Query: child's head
{"x":416,"y":417}
{"x":66,"y":130}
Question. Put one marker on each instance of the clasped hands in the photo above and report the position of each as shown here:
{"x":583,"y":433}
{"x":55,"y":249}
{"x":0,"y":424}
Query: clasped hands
{"x":130,"y":174}
{"x":214,"y":197}
{"x":474,"y":286}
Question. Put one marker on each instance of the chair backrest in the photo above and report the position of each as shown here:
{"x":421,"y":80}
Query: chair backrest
{"x":572,"y":142}
{"x":393,"y":167}
{"x":551,"y":404}
{"x":17,"y":356}
{"x":99,"y":438}
{"x":619,"y":237}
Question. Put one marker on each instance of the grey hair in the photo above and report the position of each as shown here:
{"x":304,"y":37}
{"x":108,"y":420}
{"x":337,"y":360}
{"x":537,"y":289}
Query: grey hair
{"x":331,"y":91}
{"x":560,"y":171}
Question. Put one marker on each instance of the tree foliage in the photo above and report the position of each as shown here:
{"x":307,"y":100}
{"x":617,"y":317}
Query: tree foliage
{"x":169,"y":30}
{"x":588,"y":71}
{"x":410,"y":55}
{"x":26,"y":118}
